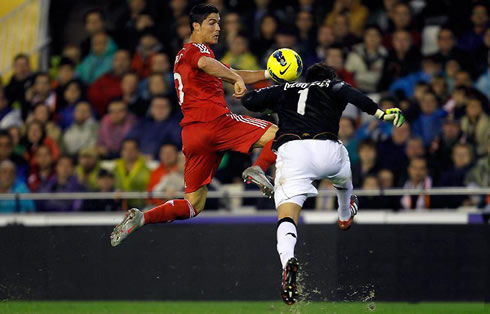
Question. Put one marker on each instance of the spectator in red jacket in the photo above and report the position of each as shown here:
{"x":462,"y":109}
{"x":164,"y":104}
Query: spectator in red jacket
{"x":147,"y":48}
{"x":36,"y":137}
{"x":108,"y":86}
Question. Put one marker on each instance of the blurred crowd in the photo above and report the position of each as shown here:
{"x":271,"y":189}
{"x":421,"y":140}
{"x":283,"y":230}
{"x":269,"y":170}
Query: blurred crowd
{"x":105,"y":116}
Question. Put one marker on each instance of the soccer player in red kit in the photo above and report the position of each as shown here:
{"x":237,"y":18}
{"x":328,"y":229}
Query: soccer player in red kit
{"x":209,"y":128}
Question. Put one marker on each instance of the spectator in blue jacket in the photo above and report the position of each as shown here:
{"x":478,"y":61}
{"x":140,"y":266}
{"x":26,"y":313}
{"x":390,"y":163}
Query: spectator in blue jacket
{"x":9,"y":184}
{"x":429,"y":124}
{"x":160,"y":127}
{"x":65,"y":181}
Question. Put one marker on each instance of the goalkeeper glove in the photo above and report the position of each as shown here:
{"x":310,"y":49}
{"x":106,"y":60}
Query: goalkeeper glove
{"x":393,"y":114}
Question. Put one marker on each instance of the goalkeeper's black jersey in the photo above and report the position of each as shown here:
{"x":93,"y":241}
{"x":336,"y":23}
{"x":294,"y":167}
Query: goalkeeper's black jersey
{"x":308,"y":108}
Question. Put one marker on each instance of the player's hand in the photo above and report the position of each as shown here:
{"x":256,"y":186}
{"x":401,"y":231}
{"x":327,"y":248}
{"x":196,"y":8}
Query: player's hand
{"x":394,"y":115}
{"x":239,"y":88}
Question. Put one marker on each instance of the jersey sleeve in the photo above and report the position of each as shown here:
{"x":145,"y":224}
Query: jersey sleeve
{"x":348,"y":94}
{"x":196,"y":51}
{"x":264,"y":99}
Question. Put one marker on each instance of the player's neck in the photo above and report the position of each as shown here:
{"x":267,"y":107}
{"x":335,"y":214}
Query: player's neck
{"x":195,"y":38}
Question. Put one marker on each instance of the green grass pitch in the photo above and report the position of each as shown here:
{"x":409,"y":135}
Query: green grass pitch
{"x":238,"y":307}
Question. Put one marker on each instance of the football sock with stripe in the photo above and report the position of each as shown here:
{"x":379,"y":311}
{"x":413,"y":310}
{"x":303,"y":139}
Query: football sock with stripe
{"x":266,"y":158}
{"x":286,"y":239}
{"x":170,"y":211}
{"x":343,"y":195}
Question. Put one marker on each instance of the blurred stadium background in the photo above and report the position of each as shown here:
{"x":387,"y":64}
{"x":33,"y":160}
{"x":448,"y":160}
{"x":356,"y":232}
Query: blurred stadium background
{"x":89,"y":128}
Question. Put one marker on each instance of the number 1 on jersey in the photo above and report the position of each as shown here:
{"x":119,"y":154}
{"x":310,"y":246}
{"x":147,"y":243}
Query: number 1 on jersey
{"x":180,"y":88}
{"x":303,"y":95}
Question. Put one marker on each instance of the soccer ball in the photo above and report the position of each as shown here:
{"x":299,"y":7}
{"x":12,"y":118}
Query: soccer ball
{"x":284,"y":65}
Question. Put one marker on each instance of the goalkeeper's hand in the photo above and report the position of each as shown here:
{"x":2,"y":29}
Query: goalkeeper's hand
{"x":394,"y":115}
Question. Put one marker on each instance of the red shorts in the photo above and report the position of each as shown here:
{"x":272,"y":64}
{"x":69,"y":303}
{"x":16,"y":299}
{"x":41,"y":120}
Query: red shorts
{"x":204,"y":144}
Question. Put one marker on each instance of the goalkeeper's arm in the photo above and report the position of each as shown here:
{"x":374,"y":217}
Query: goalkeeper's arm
{"x":347,"y":94}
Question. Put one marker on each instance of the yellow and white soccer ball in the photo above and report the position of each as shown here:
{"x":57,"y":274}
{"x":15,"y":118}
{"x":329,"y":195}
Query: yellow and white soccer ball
{"x":284,"y":65}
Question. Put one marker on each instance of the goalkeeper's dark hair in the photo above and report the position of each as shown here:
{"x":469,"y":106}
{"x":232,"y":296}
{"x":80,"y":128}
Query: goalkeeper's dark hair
{"x":319,"y":72}
{"x":200,"y":12}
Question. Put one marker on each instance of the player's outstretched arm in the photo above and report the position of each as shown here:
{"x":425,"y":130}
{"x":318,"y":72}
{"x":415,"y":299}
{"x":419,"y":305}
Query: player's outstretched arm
{"x":348,"y":94}
{"x":263,"y":100}
{"x":252,"y":76}
{"x":215,"y":68}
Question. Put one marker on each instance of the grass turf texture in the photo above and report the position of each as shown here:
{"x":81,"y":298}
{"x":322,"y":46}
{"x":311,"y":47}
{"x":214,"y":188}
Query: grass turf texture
{"x":238,"y":307}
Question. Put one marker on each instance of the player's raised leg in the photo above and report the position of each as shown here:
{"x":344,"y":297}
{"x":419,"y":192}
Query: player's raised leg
{"x":256,"y":173}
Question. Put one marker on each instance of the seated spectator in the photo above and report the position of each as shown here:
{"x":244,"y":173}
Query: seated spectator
{"x":342,"y":33}
{"x":72,"y":52}
{"x":447,"y":50}
{"x":40,"y":91}
{"x":483,"y":81}
{"x":65,"y":181}
{"x":429,"y":123}
{"x":83,"y":132}
{"x":367,"y":162}
{"x":147,"y":48}
{"x":347,"y":136}
{"x":239,"y":56}
{"x":439,"y":85}
{"x":113,"y":129}
{"x":18,"y":149}
{"x":306,"y":30}
{"x":463,"y":78}
{"x":159,"y":65}
{"x":392,"y":150}
{"x":9,"y":184}
{"x":108,"y":86}
{"x":402,"y":60}
{"x":430,"y":68}
{"x":130,"y":172}
{"x":88,"y":168}
{"x":476,"y":125}
{"x":42,"y":114}
{"x":74,"y":93}
{"x":481,"y":58}
{"x":8,"y":115}
{"x":94,"y":22}
{"x":418,"y":178}
{"x":157,"y":86}
{"x":105,"y":183}
{"x":472,"y":39}
{"x":478,"y":177}
{"x":43,"y":169}
{"x":20,"y":81}
{"x":370,"y":182}
{"x":325,"y":39}
{"x":129,"y":88}
{"x":401,"y":19}
{"x":366,"y":60}
{"x":99,"y":60}
{"x":36,"y":137}
{"x":265,"y":40}
{"x":374,"y":129}
{"x":7,"y":153}
{"x":462,"y":157}
{"x":160,"y":127}
{"x":356,"y":14}
{"x":334,"y":57}
{"x":174,"y":181}
{"x":66,"y":73}
{"x":169,"y":153}
{"x":127,"y":25}
{"x":451,"y":68}
{"x":442,"y":146}
{"x":386,"y":180}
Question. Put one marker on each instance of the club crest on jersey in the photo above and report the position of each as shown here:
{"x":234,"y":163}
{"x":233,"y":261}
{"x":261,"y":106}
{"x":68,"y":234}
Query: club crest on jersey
{"x":280,"y":58}
{"x":202,"y":48}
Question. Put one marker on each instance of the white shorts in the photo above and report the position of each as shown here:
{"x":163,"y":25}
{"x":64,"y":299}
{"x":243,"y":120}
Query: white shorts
{"x":301,"y":162}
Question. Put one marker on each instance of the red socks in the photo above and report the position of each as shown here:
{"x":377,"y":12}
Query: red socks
{"x":266,"y":157}
{"x":170,"y":211}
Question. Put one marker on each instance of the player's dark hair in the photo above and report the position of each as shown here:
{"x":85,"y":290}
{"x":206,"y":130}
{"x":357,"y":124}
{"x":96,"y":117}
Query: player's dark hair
{"x":319,"y":72}
{"x":200,"y":12}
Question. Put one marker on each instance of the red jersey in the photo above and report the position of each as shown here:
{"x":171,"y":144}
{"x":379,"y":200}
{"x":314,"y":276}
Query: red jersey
{"x":201,"y":96}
